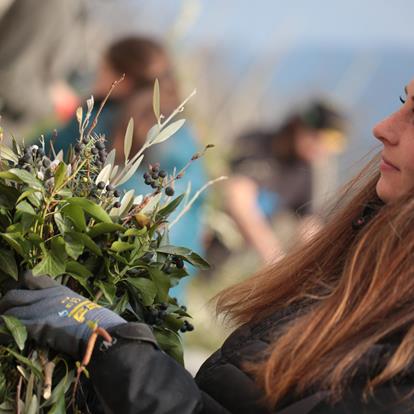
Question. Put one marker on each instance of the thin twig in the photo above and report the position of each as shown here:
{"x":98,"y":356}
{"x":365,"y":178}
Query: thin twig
{"x":194,"y":198}
{"x":95,"y":119}
{"x":48,"y":369}
{"x":178,"y":109}
{"x":97,"y":331}
{"x":146,"y":145}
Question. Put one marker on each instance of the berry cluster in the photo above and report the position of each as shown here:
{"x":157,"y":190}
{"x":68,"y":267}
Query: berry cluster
{"x":33,"y":158}
{"x":110,"y":192}
{"x":97,"y":149}
{"x":155,"y":179}
{"x":187,"y":327}
{"x":157,"y":314}
{"x":173,"y":262}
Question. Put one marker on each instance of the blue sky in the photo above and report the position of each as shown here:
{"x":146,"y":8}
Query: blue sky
{"x":356,"y":23}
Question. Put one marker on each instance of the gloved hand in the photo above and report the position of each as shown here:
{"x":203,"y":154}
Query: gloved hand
{"x":54,"y":315}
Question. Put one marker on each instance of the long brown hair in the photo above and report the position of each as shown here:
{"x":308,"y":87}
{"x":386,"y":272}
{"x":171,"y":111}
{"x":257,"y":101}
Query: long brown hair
{"x":360,"y":288}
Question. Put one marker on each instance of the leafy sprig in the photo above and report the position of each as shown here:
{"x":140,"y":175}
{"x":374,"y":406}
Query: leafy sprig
{"x":63,"y":215}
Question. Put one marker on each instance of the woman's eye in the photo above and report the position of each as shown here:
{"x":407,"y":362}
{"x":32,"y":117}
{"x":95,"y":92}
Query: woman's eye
{"x":402,"y":100}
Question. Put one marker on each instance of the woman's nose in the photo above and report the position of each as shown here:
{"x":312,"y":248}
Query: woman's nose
{"x":388,"y":130}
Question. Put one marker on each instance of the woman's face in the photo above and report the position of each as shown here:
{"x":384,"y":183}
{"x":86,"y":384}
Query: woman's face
{"x":396,"y":132}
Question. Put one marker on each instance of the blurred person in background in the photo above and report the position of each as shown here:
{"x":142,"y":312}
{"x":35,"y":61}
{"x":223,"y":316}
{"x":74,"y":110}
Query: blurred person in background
{"x":40,"y":46}
{"x":272,"y":173}
{"x":143,"y":60}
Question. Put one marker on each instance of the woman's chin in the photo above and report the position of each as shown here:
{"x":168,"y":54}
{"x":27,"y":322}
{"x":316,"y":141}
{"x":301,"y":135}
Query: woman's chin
{"x":386,"y":190}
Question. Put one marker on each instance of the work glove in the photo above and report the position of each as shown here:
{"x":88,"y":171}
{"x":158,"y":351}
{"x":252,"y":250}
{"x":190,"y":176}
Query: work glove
{"x":54,"y":315}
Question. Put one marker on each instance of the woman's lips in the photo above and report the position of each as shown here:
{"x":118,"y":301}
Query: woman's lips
{"x":387,"y":165}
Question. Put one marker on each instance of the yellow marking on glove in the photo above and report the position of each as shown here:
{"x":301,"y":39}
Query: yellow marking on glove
{"x":79,"y":311}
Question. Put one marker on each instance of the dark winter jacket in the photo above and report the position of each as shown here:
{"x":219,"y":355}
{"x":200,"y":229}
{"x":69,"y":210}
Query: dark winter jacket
{"x":134,"y":376}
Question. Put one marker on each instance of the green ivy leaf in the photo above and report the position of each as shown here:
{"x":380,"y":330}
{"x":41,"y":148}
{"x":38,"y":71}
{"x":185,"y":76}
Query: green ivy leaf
{"x":8,"y":263}
{"x":120,"y":246}
{"x":170,"y":342}
{"x":26,"y":194}
{"x":16,"y":174}
{"x":76,"y":216}
{"x":97,"y":212}
{"x":62,"y":224}
{"x":161,"y":281}
{"x":49,"y":265}
{"x":135,"y":232}
{"x":73,"y":248}
{"x":77,"y":269}
{"x":86,"y":241}
{"x":17,"y":329}
{"x":57,"y":245}
{"x":25,"y":207}
{"x":8,"y":196}
{"x":108,"y":290}
{"x":121,"y":304}
{"x":17,"y":242}
{"x":60,"y":174}
{"x":103,"y":228}
{"x":8,"y":154}
{"x":146,"y":287}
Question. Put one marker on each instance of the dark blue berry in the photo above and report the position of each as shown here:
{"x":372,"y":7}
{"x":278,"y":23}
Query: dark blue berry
{"x":116,"y":193}
{"x":179,"y":262}
{"x":162,"y":174}
{"x":27,"y":157}
{"x":117,"y":204}
{"x":147,"y":257}
{"x":101,"y":185}
{"x":169,"y":191}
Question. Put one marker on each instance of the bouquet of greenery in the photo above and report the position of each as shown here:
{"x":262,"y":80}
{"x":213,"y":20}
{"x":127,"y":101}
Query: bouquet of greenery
{"x":62,"y":215}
